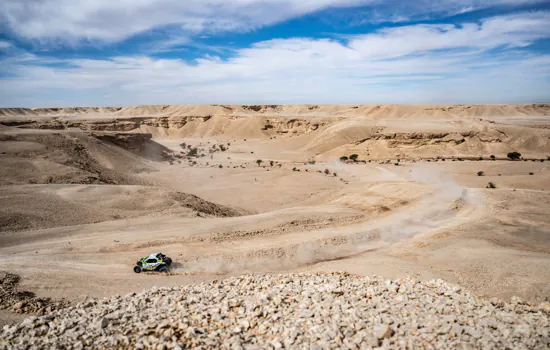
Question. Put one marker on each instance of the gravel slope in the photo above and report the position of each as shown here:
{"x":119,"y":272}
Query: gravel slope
{"x":296,"y":311}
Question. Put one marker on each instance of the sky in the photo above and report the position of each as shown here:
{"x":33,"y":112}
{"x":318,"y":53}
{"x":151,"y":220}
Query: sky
{"x":131,"y":52}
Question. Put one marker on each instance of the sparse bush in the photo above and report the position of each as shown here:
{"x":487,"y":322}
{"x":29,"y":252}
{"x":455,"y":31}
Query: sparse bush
{"x":491,"y":185}
{"x":294,"y":169}
{"x":335,"y":174}
{"x":312,"y":161}
{"x":531,"y":173}
{"x":354,"y":157}
{"x":192,"y":152}
{"x":480,"y":158}
{"x":514,"y":155}
{"x":327,"y":171}
{"x":183,"y":145}
{"x":259,"y":161}
{"x":271,"y":163}
{"x":343,"y":158}
{"x":493,"y":157}
{"x":396,"y":164}
{"x":480,"y":173}
{"x":222,"y":147}
{"x":220,"y":166}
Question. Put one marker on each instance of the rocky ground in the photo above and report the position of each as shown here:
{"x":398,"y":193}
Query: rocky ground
{"x":20,"y":301}
{"x":296,"y":311}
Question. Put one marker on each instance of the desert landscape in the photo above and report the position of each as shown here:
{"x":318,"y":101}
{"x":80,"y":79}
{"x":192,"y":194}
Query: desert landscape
{"x":459,"y":193}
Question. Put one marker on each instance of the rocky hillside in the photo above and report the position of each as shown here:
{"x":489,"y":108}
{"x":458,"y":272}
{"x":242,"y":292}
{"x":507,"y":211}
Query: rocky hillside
{"x":296,"y":311}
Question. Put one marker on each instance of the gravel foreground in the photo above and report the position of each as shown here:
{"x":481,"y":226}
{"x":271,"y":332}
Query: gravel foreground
{"x":294,"y":311}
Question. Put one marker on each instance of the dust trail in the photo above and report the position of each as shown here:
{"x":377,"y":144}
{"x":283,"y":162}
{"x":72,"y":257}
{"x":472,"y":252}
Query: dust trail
{"x":440,"y":208}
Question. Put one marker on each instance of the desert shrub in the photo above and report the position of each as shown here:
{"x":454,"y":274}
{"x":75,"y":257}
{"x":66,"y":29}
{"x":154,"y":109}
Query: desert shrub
{"x":343,"y":158}
{"x":548,"y":157}
{"x":223,"y":148}
{"x":335,"y":174}
{"x":312,"y":162}
{"x":491,"y":185}
{"x":271,"y":163}
{"x":354,"y":157}
{"x":192,"y":152}
{"x":531,"y":173}
{"x":480,"y":158}
{"x":220,"y":166}
{"x":396,"y":164}
{"x":327,"y":171}
{"x":514,"y":155}
{"x":259,"y":161}
{"x":294,"y":169}
{"x":480,"y":173}
{"x":493,"y":157}
{"x":183,"y":145}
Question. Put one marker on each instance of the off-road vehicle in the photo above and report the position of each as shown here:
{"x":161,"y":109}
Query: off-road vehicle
{"x":156,"y":262}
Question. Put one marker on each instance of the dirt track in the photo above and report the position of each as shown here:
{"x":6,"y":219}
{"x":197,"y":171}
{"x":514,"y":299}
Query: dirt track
{"x":79,"y":206}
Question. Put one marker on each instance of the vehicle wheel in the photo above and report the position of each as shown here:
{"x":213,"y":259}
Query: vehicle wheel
{"x":163,"y":269}
{"x":137,"y":269}
{"x":168,"y":261}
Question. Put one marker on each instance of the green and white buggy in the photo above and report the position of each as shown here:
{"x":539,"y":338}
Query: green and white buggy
{"x":156,"y":262}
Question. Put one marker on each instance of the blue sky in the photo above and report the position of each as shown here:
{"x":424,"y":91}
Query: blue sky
{"x":126,"y":52}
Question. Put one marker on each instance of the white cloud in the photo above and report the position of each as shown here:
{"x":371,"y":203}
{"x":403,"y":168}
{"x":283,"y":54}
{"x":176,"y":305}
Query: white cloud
{"x":110,"y":20}
{"x":410,"y":64}
{"x":73,"y":21}
{"x":513,"y":30}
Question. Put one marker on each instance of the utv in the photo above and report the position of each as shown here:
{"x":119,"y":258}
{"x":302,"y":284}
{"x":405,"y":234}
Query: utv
{"x":156,"y":262}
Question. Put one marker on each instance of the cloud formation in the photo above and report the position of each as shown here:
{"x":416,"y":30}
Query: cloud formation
{"x":75,"y":21}
{"x":108,"y":20}
{"x":464,"y":63}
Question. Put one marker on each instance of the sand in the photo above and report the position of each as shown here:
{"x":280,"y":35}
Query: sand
{"x":85,"y":192}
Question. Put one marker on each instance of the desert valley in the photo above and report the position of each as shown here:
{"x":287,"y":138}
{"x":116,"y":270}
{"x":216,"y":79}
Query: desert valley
{"x":424,"y":191}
